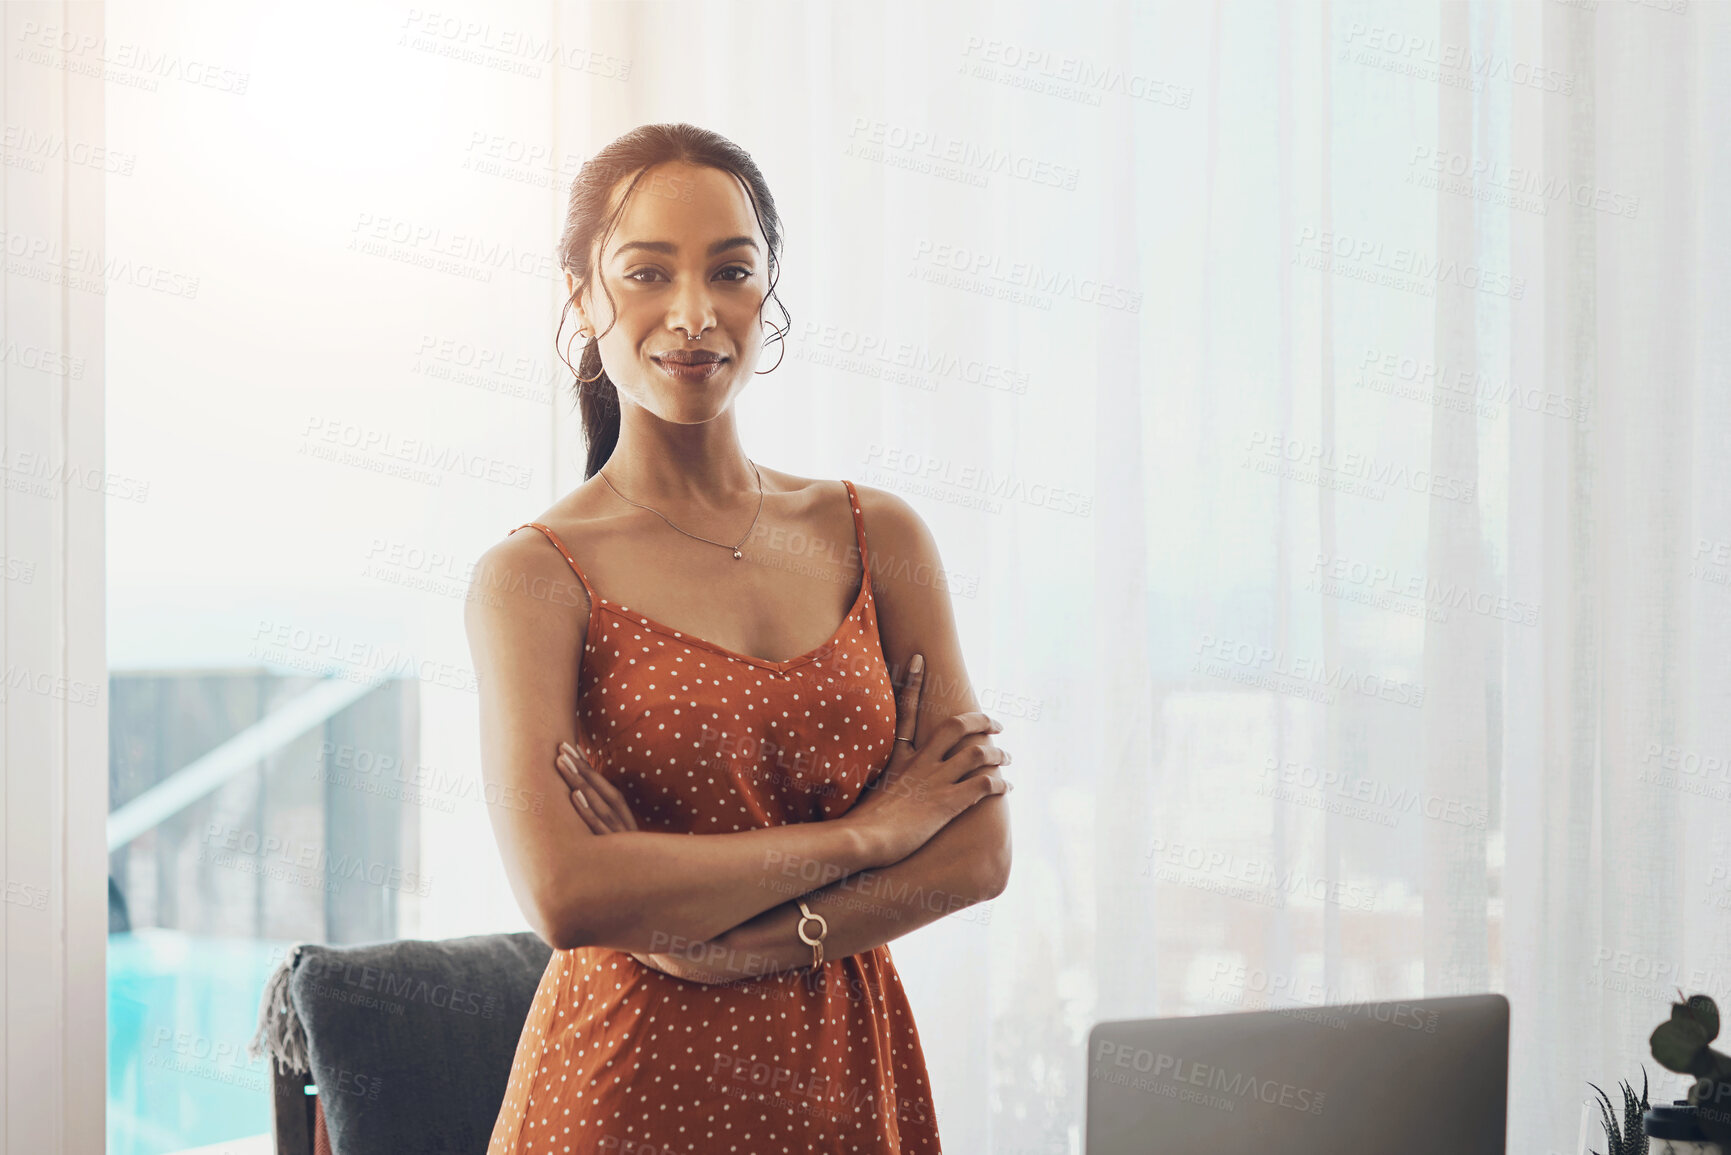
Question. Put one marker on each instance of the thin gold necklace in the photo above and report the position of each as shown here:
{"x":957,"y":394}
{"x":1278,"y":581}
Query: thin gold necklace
{"x":663,"y":516}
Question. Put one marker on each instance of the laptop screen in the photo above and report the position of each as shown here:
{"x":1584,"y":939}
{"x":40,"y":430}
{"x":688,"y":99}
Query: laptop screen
{"x":1414,"y":1077}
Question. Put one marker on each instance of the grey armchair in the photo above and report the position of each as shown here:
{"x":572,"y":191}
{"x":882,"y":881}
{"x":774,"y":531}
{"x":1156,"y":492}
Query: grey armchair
{"x":408,"y":1044}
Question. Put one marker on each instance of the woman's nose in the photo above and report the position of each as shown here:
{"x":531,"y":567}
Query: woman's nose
{"x":692,"y":311}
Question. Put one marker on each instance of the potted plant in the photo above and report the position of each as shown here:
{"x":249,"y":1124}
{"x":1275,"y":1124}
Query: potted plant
{"x":1681,"y":1044}
{"x":1627,"y":1136}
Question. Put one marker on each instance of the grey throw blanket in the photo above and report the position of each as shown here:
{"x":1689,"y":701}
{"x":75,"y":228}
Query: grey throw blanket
{"x":410,"y":1042}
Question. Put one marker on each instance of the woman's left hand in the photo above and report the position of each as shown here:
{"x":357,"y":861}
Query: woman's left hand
{"x":604,"y":810}
{"x":597,"y":801}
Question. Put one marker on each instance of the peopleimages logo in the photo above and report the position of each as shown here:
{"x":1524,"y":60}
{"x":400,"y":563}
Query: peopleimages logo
{"x":1027,"y":276}
{"x":228,"y":845}
{"x":415,"y":458}
{"x":434,"y":247}
{"x":1461,"y":388}
{"x":1237,"y":1084}
{"x":1487,"y":172}
{"x":1211,"y":868}
{"x":1270,"y":667}
{"x":939,"y":471}
{"x":1345,"y":792}
{"x":882,"y":355}
{"x":1399,"y":268}
{"x":1363,"y":472}
{"x":352,"y":659}
{"x":44,"y":258}
{"x":398,"y":987}
{"x":1062,"y":75}
{"x":120,"y":62}
{"x":1380,"y":577}
{"x":873,"y":139}
{"x":1456,"y":65}
{"x":514,"y":51}
{"x":41,"y":476}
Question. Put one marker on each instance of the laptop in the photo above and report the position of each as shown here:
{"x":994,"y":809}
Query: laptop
{"x":1419,"y":1077}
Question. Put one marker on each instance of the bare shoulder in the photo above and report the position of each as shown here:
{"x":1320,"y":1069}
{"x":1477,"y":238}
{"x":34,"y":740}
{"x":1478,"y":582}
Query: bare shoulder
{"x":916,"y":611}
{"x":897,"y":537}
{"x":888,"y":507}
{"x":523,"y":583}
{"x":813,"y":491}
{"x":527,"y":573}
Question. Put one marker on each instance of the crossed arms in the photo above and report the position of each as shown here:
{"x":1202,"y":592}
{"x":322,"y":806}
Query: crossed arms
{"x":715,"y":907}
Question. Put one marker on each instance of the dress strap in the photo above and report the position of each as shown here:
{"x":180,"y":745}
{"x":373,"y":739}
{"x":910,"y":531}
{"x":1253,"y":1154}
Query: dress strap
{"x":560,"y":546}
{"x":858,"y":524}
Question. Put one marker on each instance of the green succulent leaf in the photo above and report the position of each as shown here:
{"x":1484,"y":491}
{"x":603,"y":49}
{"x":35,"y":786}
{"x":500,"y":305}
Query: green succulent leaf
{"x":1703,"y":1010}
{"x":1678,"y":1042}
{"x":1625,"y":1135}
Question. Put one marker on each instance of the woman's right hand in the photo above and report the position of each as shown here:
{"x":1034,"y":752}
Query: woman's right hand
{"x":921,"y":789}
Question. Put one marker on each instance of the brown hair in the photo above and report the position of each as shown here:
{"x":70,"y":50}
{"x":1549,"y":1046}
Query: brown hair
{"x":587,"y":218}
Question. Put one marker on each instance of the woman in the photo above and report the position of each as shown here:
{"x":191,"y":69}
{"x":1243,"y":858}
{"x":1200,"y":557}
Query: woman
{"x":731,"y":992}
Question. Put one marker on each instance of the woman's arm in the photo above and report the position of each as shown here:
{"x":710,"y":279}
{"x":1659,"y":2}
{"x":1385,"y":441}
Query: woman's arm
{"x":965,"y":863}
{"x":864,"y":910}
{"x":526,"y":618}
{"x":971,"y":855}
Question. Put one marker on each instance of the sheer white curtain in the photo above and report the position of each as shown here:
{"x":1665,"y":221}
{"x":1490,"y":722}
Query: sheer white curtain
{"x":1348,"y":551}
{"x":1324,"y":412}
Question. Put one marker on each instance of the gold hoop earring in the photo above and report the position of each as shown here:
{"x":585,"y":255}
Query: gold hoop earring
{"x":782,"y":341}
{"x":584,"y":333}
{"x":600,"y":372}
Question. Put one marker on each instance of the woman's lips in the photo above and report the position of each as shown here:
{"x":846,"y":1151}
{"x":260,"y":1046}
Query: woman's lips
{"x":691,"y":374}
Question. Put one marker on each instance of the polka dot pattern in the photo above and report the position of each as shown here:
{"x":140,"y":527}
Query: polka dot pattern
{"x":618,"y":1057}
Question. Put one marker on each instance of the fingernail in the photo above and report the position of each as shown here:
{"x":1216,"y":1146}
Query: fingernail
{"x":916,"y":663}
{"x":580,"y":797}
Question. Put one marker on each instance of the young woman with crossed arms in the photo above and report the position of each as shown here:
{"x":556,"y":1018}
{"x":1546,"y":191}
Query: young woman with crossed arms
{"x":745,"y":832}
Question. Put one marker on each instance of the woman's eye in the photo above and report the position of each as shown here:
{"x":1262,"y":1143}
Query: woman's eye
{"x":642,"y":276}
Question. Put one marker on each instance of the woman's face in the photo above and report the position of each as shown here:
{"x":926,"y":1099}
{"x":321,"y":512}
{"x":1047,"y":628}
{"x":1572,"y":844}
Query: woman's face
{"x":687,"y":260}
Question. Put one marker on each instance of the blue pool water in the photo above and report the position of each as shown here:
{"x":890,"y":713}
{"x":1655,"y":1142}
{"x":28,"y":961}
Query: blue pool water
{"x":181,"y":1010}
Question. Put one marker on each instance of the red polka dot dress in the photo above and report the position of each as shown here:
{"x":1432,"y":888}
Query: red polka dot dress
{"x":616,"y":1056}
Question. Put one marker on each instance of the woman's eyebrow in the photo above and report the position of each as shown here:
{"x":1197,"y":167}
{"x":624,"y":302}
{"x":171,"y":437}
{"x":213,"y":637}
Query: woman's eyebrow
{"x":669,"y":248}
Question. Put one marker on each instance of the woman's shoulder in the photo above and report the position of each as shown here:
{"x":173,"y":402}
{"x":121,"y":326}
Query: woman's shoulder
{"x":888,"y":518}
{"x":532,"y":570}
{"x":887,"y":513}
{"x":875,"y":504}
{"x":573,"y":520}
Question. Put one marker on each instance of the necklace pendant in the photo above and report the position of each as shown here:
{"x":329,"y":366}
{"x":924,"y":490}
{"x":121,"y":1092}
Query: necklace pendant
{"x":737,"y":554}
